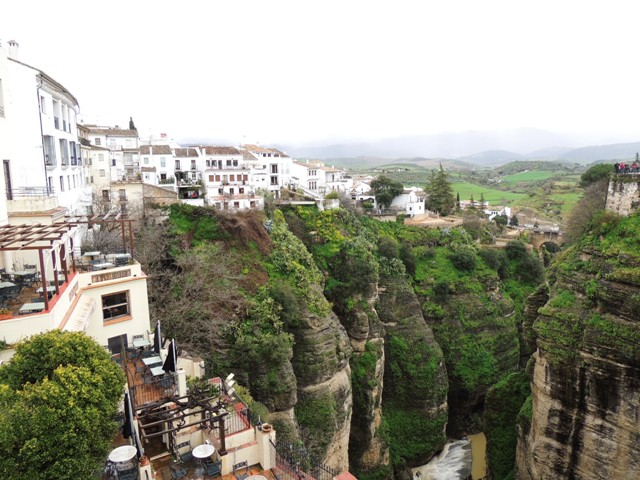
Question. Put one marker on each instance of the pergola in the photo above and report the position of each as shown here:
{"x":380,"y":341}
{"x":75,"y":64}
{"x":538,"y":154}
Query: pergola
{"x":46,"y":239}
{"x":52,"y":238}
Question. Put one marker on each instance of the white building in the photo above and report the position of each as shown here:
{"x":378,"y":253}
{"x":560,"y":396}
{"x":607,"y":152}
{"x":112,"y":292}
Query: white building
{"x":228,"y":179}
{"x":273,"y":171}
{"x":42,"y":162}
{"x":123,"y":148}
{"x":411,"y":202}
{"x":309,"y":177}
{"x":492,"y":212}
{"x":157,"y":162}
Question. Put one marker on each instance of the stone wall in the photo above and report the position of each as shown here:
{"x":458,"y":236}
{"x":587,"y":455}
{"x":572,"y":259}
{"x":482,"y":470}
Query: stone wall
{"x":623,"y":195}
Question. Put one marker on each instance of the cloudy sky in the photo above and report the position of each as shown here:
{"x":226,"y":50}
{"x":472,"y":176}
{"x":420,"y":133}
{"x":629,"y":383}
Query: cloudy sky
{"x":296,"y":71}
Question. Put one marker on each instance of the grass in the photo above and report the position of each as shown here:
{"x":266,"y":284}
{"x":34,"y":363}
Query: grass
{"x":491,"y":195}
{"x":531,"y":176}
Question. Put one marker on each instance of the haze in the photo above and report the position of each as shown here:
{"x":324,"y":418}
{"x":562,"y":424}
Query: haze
{"x":302,"y":72}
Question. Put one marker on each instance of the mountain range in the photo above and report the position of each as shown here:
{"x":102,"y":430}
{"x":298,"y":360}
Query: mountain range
{"x":479,"y":148}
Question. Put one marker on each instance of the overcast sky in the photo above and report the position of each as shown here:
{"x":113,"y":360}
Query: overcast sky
{"x":295,"y":71}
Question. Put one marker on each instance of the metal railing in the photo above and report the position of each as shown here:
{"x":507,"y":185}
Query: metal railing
{"x":294,"y":463}
{"x":237,"y":421}
{"x":32,"y":192}
{"x":153,"y":389}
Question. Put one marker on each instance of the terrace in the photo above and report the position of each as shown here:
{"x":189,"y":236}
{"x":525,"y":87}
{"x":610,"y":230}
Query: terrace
{"x":197,"y":431}
{"x":41,"y":277}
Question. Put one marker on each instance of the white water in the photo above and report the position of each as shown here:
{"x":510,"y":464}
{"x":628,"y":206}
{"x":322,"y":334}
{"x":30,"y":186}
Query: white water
{"x":453,"y":463}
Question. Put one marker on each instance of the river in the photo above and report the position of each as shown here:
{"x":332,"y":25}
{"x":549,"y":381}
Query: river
{"x":456,"y":461}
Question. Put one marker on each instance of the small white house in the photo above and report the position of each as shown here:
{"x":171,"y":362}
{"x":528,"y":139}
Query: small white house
{"x":411,"y":202}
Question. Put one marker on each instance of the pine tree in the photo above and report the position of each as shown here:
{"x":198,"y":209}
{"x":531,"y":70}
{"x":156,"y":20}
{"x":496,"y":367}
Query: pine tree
{"x":457,"y":202}
{"x":440,"y":194}
{"x":482,"y":201}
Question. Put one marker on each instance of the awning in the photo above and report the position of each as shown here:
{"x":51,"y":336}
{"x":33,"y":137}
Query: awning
{"x":80,"y":316}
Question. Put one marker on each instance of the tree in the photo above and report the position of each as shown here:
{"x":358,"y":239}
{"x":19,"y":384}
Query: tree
{"x":385,"y":189}
{"x":59,"y":397}
{"x":514,"y":220}
{"x":595,"y":174}
{"x":132,"y":126}
{"x":440,"y":194}
{"x":501,"y":220}
{"x":592,"y":202}
{"x":457,"y":202}
{"x":482,"y":201}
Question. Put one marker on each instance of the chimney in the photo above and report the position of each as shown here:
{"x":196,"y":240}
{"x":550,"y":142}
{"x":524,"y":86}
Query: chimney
{"x":13,"y":49}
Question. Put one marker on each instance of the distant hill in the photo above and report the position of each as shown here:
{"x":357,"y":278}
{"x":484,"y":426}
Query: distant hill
{"x":612,"y":152}
{"x":447,"y":145}
{"x":551,"y":153}
{"x":491,"y":158}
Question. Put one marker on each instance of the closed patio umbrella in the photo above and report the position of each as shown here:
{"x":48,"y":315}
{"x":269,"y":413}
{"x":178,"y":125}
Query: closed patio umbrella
{"x":172,"y":358}
{"x":127,"y":429}
{"x":157,"y":338}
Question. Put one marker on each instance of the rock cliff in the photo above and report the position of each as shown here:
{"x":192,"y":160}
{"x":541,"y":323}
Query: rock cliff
{"x":585,"y":399}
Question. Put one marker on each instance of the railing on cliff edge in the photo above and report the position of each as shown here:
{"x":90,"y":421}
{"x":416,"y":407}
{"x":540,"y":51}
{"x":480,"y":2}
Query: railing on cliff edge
{"x":294,"y":463}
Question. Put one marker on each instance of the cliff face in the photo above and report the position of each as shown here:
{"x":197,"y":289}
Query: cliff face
{"x":415,"y":394}
{"x":586,"y":373}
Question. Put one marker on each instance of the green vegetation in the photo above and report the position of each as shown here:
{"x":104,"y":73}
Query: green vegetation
{"x":491,"y":195}
{"x":58,"y":402}
{"x":317,"y":416}
{"x":439,"y":193}
{"x":528,"y":176}
{"x":385,"y":190}
{"x":502,"y":405}
{"x":596,"y":173}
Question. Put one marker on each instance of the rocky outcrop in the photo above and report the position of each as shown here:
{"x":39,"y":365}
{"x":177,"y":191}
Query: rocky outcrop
{"x":586,"y":375}
{"x":415,"y":394}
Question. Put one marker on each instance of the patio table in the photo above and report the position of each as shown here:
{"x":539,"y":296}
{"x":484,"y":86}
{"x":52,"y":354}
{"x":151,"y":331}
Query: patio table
{"x":122,"y":454}
{"x":50,"y":289}
{"x":141,"y":343}
{"x":151,"y":361}
{"x":203,"y":451}
{"x":33,"y":307}
{"x":157,"y":371}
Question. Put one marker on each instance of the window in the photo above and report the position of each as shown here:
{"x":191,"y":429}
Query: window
{"x":102,"y":173}
{"x":208,"y":163}
{"x":211,"y":178}
{"x":235,"y":163}
{"x":112,"y":143}
{"x":101,"y":157}
{"x":61,"y":183}
{"x":106,"y":194}
{"x":228,"y":163}
{"x":122,"y":194}
{"x":49,"y":150}
{"x":274,"y":168}
{"x":274,"y":180}
{"x":113,"y":162}
{"x":241,"y":190}
{"x":115,"y":305}
{"x":193,"y":164}
{"x":43,"y":104}
{"x":177,"y":166}
{"x":236,"y":204}
{"x":313,"y":173}
{"x":98,"y":141}
{"x":50,"y":184}
{"x":64,"y":152}
{"x":146,"y":160}
{"x":163,"y":176}
{"x":163,"y":162}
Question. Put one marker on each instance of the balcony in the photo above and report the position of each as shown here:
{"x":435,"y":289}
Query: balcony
{"x":50,"y":160}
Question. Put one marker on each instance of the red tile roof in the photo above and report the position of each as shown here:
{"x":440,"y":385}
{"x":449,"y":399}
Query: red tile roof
{"x":155,"y":150}
{"x":113,"y":132}
{"x":185,"y":152}
{"x":221,"y":150}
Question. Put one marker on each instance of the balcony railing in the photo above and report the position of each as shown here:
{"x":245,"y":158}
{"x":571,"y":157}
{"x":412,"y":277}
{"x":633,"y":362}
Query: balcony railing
{"x":32,"y":192}
{"x":50,"y":160}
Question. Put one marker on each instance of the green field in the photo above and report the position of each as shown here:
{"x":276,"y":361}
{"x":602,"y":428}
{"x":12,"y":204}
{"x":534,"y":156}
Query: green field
{"x":531,"y":176}
{"x":491,"y":195}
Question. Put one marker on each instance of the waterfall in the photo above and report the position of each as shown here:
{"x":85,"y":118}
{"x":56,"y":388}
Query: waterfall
{"x":453,"y":463}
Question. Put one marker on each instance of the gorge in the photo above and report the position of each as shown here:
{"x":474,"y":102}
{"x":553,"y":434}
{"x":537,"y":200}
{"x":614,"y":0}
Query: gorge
{"x":370,"y":344}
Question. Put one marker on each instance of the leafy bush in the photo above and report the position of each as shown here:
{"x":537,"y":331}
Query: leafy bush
{"x":516,"y":250}
{"x":388,"y":247}
{"x":464,"y":260}
{"x":408,"y":258}
{"x":333,"y":195}
{"x":496,"y":260}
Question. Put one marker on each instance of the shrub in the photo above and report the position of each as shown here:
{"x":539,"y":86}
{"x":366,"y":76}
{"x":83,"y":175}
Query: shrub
{"x":333,"y":195}
{"x":464,"y":260}
{"x":408,"y":258}
{"x":388,"y":247}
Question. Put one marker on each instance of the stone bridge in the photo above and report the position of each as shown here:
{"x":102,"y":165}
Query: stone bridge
{"x":539,"y":237}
